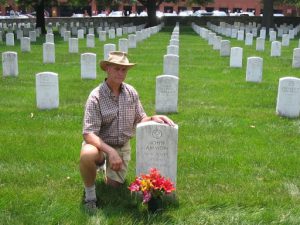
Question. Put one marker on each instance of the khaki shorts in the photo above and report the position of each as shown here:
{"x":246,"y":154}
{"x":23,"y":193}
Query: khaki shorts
{"x":124,"y":152}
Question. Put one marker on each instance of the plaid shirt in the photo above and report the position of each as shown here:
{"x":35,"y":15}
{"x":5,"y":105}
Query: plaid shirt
{"x":113,"y":119}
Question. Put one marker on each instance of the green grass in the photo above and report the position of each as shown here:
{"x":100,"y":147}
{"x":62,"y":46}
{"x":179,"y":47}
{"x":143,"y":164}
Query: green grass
{"x":238,"y":162}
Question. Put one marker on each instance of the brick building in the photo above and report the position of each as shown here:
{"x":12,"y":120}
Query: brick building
{"x":93,"y":7}
{"x":222,"y":5}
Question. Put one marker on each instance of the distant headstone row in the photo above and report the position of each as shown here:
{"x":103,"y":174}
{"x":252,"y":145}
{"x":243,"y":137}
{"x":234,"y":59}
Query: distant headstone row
{"x":288,"y":99}
{"x":157,"y":144}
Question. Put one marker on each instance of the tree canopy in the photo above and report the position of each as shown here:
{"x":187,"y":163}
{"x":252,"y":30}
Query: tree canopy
{"x":39,"y":7}
{"x":152,"y":6}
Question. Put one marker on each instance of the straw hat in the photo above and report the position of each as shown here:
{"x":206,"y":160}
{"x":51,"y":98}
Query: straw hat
{"x":116,"y":58}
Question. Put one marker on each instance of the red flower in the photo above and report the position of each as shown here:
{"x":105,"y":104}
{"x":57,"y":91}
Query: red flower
{"x":152,"y":185}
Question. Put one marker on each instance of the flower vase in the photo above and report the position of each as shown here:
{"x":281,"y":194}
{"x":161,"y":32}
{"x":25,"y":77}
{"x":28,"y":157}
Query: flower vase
{"x":155,"y":205}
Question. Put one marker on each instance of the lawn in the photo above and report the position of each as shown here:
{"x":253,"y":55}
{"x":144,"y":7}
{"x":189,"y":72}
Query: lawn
{"x":238,"y":162}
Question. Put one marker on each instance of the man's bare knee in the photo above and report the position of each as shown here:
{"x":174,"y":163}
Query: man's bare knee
{"x":90,"y":153}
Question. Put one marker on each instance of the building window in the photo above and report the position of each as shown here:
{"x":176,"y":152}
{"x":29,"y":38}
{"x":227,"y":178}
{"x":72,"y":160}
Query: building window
{"x":180,"y":8}
{"x":168,"y":9}
{"x":196,"y":8}
{"x":238,"y":10}
{"x":209,"y":9}
{"x":224,"y":9}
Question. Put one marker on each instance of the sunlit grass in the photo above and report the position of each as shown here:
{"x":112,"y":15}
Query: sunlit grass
{"x":238,"y":162}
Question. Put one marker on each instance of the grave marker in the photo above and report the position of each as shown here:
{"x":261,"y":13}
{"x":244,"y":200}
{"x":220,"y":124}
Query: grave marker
{"x":157,"y":147}
{"x":166,"y":98}
{"x":47,"y":93}
{"x":288,"y":98}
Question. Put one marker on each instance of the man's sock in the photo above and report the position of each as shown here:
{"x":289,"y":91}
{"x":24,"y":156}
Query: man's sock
{"x":90,"y":193}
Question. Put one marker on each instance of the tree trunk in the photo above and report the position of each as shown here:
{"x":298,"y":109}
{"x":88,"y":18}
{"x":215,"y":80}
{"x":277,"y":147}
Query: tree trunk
{"x":40,"y":17}
{"x":151,"y":10}
{"x":267,"y":20}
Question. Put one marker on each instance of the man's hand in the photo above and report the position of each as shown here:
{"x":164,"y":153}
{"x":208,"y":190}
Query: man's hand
{"x":115,"y":160}
{"x":162,"y":119}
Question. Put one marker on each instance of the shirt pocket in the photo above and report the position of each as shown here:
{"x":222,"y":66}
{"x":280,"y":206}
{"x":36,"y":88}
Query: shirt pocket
{"x":109,"y":116}
{"x":129,"y":115}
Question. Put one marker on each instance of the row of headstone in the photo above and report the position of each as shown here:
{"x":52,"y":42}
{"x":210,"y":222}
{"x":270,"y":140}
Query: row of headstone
{"x":157,"y":144}
{"x":238,"y":30}
{"x":166,"y":95}
{"x":10,"y":37}
{"x":288,"y":97}
{"x":237,"y":53}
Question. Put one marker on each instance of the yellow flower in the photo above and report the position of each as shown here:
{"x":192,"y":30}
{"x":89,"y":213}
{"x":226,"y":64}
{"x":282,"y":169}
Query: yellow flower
{"x":146,"y":185}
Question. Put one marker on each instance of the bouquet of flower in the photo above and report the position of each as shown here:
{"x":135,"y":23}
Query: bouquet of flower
{"x":152,"y":185}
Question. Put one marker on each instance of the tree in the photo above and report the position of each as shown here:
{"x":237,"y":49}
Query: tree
{"x":39,"y":7}
{"x":152,"y":5}
{"x":268,"y":20}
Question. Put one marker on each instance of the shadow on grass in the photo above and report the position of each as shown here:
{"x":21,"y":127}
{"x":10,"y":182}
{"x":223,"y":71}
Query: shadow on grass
{"x":119,"y":204}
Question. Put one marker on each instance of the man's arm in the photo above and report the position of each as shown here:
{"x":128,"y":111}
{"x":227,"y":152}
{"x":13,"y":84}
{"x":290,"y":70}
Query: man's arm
{"x":115,"y":161}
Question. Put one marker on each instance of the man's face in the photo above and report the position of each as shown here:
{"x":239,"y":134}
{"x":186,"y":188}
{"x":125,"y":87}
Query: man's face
{"x":116,"y":73}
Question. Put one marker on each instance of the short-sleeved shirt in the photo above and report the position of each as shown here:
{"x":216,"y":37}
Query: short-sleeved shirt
{"x":113,"y":119}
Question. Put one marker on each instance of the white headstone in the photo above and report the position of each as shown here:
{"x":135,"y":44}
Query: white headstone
{"x":260,"y":44}
{"x":291,"y":34}
{"x":119,"y":32}
{"x":285,"y":40}
{"x":102,"y":35}
{"x":131,"y":41}
{"x":217,"y":43}
{"x":276,"y":48}
{"x":73,"y":45}
{"x":272,"y":35}
{"x":32,"y":36}
{"x":262,"y":33}
{"x":10,"y":39}
{"x":211,"y":37}
{"x":236,"y":57}
{"x":171,"y":65}
{"x":174,"y":42}
{"x":90,"y":41}
{"x":107,"y":48}
{"x":173,"y":50}
{"x":254,"y":69}
{"x":19,"y":34}
{"x":249,"y":39}
{"x":88,"y":66}
{"x":157,"y":147}
{"x":225,"y":48}
{"x":47,"y":92}
{"x":240,"y":35}
{"x":234,"y":33}
{"x":10,"y":64}
{"x":74,"y":30}
{"x":111,"y":33}
{"x":288,"y":98}
{"x":67,"y":35}
{"x":166,"y":98}
{"x":91,"y":30}
{"x":48,"y":53}
{"x":25,"y":44}
{"x":296,"y":58}
{"x":123,"y":45}
{"x":80,"y":34}
{"x":50,"y":38}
